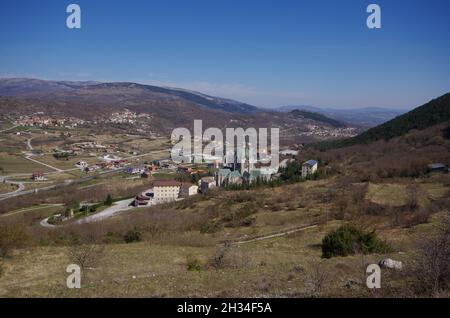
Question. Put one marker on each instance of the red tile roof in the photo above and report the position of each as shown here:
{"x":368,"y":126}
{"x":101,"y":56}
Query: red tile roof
{"x":167,"y":183}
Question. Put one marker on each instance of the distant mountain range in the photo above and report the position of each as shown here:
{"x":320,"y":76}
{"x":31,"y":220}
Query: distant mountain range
{"x":39,"y":88}
{"x":169,"y":107}
{"x":366,"y":117}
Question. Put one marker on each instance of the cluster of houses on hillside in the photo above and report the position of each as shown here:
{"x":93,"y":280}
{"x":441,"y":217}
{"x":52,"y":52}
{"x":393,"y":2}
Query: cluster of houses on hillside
{"x":164,"y":191}
{"x":126,"y":117}
{"x":325,"y":131}
{"x":41,"y":120}
{"x":237,"y":171}
{"x":90,"y":146}
{"x":242,"y":171}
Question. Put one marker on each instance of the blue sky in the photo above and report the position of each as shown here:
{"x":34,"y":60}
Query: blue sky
{"x":267,"y":53}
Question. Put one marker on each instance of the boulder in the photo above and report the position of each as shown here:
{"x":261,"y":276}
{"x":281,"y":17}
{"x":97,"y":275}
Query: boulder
{"x":390,"y":263}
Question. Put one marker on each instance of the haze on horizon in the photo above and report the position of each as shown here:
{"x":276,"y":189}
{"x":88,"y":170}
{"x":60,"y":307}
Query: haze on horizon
{"x":265,"y":53}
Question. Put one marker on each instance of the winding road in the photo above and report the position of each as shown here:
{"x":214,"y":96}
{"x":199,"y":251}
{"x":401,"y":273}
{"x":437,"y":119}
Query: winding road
{"x":119,"y":206}
{"x":20,"y":187}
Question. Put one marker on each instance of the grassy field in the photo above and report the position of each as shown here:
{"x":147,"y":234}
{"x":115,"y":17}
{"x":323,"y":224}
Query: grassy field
{"x":276,"y":267}
{"x":16,"y":164}
{"x":7,"y":187}
{"x":388,"y":194}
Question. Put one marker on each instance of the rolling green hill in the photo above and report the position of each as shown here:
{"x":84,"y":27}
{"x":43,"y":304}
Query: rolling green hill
{"x":432,"y":113}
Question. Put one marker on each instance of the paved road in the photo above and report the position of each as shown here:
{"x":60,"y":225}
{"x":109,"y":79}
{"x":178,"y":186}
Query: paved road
{"x":10,"y":128}
{"x":45,"y":223}
{"x":9,"y":194}
{"x":29,"y":143}
{"x":119,"y":206}
{"x":19,"y":193}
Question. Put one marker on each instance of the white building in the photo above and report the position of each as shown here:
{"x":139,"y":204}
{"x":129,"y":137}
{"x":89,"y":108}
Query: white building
{"x":110,"y":158}
{"x":187,"y":190}
{"x":81,"y":164}
{"x":166,"y":190}
{"x":38,"y":176}
{"x":309,"y":167}
{"x":289,"y":152}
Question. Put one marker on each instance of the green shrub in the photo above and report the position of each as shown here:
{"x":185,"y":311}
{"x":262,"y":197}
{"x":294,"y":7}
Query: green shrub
{"x":348,"y":240}
{"x":210,"y":227}
{"x":132,"y":236}
{"x":108,"y":200}
{"x":194,"y":265}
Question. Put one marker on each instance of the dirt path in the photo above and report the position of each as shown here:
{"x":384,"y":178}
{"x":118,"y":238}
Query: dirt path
{"x":31,"y":209}
{"x":10,"y":128}
{"x":273,"y":235}
{"x":44,"y":164}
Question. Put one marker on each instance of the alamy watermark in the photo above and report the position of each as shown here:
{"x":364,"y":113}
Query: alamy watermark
{"x":73,"y":21}
{"x":74,"y":279}
{"x":374,"y":19}
{"x":373,"y":280}
{"x":240,"y":146}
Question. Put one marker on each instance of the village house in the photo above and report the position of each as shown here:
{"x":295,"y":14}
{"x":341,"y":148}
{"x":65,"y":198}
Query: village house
{"x":144,"y":198}
{"x":136,"y":170}
{"x":309,"y":167}
{"x":38,"y":176}
{"x":146,"y":174}
{"x":224,"y":177}
{"x":92,"y":168}
{"x":81,"y":164}
{"x":188,"y":189}
{"x":289,"y":152}
{"x":261,"y":174}
{"x":207,"y":183}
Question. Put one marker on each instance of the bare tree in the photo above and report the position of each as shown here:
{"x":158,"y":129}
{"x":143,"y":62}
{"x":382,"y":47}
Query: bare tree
{"x":432,"y":270}
{"x":318,"y":278}
{"x":413,"y":201}
{"x":83,"y":251}
{"x":218,"y":260}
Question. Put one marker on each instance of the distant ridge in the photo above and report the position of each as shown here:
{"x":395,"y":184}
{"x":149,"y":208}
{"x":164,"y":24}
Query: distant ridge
{"x":366,"y":117}
{"x":317,"y":117}
{"x":432,"y":113}
{"x":25,"y":87}
{"x":167,"y":108}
